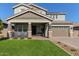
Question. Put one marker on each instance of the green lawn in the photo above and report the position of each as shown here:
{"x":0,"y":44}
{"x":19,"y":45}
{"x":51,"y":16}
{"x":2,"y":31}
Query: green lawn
{"x":30,"y":48}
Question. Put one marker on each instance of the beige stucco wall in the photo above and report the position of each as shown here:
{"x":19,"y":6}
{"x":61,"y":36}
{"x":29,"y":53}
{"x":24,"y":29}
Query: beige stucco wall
{"x":18,"y":10}
{"x":60,"y":32}
{"x":59,"y":17}
{"x":38,"y":10}
{"x":76,"y":33}
{"x":4,"y":32}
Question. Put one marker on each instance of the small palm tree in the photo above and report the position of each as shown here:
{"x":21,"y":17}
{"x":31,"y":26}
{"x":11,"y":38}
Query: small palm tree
{"x":1,"y":25}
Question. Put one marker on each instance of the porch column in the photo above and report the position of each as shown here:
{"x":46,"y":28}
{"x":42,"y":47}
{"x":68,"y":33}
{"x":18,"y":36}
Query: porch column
{"x":50,"y":32}
{"x":9,"y":30}
{"x":29,"y":30}
{"x":71,"y":31}
{"x":46,"y":30}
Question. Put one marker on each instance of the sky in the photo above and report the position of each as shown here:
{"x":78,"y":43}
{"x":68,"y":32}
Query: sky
{"x":70,"y":9}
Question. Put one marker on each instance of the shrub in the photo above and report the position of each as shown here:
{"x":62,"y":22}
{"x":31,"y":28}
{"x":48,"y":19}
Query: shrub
{"x":73,"y":49}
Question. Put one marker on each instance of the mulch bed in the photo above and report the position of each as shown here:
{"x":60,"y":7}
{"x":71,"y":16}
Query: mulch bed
{"x":73,"y":51}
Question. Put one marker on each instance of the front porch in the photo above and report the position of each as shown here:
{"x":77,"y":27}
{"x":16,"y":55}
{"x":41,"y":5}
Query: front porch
{"x":28,"y":30}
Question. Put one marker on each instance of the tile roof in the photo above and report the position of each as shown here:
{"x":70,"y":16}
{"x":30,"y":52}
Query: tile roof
{"x":61,"y":23}
{"x":61,"y":13}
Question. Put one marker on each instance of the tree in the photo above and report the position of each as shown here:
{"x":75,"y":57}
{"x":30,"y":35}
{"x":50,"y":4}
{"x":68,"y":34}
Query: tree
{"x":1,"y":25}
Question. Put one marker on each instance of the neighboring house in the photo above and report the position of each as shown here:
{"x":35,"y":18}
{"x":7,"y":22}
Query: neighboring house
{"x":32,"y":20}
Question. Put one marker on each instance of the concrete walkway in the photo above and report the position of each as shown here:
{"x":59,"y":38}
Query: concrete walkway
{"x":39,"y":38}
{"x":73,"y":42}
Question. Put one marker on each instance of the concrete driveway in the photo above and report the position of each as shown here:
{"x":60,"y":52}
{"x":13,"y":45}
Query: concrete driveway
{"x":73,"y":42}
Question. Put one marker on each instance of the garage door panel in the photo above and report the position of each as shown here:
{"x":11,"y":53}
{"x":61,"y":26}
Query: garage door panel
{"x":59,"y":31}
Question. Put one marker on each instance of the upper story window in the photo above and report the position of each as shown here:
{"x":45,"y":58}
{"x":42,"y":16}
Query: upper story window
{"x":56,"y":16}
{"x":53,"y":16}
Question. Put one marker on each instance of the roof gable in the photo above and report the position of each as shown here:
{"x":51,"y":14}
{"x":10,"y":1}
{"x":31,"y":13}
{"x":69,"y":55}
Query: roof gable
{"x":20,"y":4}
{"x":29,"y":6}
{"x":41,"y":15}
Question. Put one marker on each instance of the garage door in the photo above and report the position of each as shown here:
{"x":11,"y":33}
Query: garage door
{"x":60,"y":31}
{"x":76,"y":31}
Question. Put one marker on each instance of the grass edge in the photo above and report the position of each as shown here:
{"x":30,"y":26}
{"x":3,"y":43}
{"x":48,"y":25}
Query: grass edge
{"x":61,"y":48}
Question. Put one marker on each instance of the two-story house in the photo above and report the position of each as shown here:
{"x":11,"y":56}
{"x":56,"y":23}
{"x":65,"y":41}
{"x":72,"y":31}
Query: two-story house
{"x":32,"y":20}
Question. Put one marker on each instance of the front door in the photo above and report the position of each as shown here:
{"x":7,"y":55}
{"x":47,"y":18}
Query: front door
{"x":33,"y":30}
{"x":38,"y":29}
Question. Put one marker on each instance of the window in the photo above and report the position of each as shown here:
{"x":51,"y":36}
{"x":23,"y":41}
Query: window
{"x":21,"y":27}
{"x":53,"y":16}
{"x":56,"y":16}
{"x":61,"y":27}
{"x":24,"y":27}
